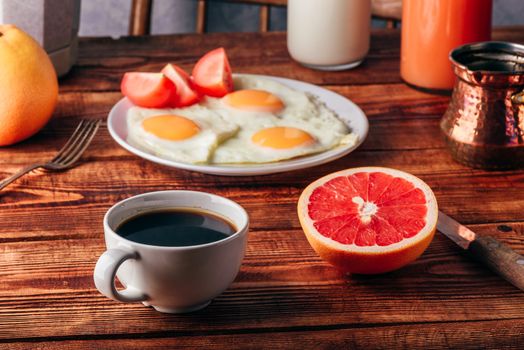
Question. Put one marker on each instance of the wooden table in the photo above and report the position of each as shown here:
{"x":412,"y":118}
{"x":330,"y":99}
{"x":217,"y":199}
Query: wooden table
{"x":284,"y":296}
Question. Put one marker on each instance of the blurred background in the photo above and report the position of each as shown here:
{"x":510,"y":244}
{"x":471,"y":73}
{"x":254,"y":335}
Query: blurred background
{"x":111,"y":17}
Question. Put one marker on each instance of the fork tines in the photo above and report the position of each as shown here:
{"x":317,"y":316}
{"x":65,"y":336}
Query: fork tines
{"x":77,"y":143}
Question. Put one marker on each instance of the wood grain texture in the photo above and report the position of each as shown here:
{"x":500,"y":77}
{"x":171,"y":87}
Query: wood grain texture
{"x":103,"y":61}
{"x":439,"y":287}
{"x":285,"y":296}
{"x":499,"y":258}
{"x":424,"y":336}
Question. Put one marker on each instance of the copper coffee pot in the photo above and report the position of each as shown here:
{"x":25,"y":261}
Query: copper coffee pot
{"x":484,"y":122}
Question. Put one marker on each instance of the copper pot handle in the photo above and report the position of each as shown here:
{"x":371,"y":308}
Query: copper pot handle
{"x":518,"y":98}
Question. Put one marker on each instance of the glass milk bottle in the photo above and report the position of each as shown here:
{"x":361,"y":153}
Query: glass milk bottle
{"x":328,"y":34}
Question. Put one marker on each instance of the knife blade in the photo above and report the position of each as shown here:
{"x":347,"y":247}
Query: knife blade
{"x":497,"y":256}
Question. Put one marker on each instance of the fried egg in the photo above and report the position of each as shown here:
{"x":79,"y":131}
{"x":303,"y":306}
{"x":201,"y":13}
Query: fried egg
{"x":261,"y":121}
{"x":255,"y":96}
{"x":275,"y":123}
{"x":253,"y":100}
{"x":256,"y":143}
{"x":187,"y":135}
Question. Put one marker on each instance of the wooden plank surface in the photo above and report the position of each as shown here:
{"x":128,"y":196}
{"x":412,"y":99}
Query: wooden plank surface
{"x":284,"y":295}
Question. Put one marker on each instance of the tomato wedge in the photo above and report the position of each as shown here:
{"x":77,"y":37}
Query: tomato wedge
{"x":151,"y":90}
{"x":186,"y":95}
{"x":212,"y":74}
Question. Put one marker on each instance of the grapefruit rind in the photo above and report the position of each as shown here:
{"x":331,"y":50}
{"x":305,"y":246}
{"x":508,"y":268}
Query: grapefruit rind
{"x":369,"y":259}
{"x":29,"y":86}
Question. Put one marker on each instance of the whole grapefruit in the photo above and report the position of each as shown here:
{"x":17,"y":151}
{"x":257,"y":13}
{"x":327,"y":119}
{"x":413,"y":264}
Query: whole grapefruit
{"x":368,"y":220}
{"x":28,"y":88}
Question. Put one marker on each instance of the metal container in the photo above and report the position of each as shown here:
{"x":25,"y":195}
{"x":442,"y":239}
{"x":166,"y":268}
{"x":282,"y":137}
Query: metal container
{"x":484,"y":122}
{"x":53,"y":23}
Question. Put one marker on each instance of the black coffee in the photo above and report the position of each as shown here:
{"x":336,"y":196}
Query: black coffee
{"x":175,"y":228}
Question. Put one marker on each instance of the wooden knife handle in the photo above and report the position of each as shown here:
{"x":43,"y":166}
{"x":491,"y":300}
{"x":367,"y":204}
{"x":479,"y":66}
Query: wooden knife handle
{"x":500,"y":258}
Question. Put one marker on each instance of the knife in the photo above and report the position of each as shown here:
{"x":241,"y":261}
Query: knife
{"x":500,"y":258}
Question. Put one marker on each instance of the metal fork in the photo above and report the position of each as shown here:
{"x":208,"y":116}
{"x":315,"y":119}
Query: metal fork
{"x":68,"y":155}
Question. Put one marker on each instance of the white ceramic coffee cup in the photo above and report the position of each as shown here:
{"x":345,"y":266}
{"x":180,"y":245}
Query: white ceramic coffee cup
{"x":171,"y":279}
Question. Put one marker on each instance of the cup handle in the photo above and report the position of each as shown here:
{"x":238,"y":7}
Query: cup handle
{"x":105,"y":272}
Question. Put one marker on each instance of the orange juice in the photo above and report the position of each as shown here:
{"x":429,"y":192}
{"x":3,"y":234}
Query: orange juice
{"x":431,"y":29}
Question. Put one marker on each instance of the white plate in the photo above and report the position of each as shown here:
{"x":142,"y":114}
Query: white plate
{"x":349,"y":112}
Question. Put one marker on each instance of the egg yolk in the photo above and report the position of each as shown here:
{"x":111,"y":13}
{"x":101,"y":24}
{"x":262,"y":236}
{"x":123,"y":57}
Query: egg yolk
{"x":171,"y":127}
{"x":281,"y":137}
{"x":254,"y":100}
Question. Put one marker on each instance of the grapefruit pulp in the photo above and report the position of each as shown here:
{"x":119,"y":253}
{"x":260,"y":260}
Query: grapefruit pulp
{"x":368,"y":220}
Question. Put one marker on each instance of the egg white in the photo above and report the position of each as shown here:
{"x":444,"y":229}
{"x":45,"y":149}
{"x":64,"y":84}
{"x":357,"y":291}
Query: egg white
{"x":294,"y":101}
{"x":226,"y":132}
{"x":301,"y":111}
{"x":196,"y":149}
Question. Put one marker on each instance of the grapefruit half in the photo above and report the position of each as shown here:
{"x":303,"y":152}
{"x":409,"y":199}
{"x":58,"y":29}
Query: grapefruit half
{"x":368,"y":220}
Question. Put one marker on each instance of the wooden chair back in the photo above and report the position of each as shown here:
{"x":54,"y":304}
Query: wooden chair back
{"x":140,"y":18}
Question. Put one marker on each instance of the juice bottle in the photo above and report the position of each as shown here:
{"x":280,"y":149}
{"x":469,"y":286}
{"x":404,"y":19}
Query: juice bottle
{"x":431,"y":29}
